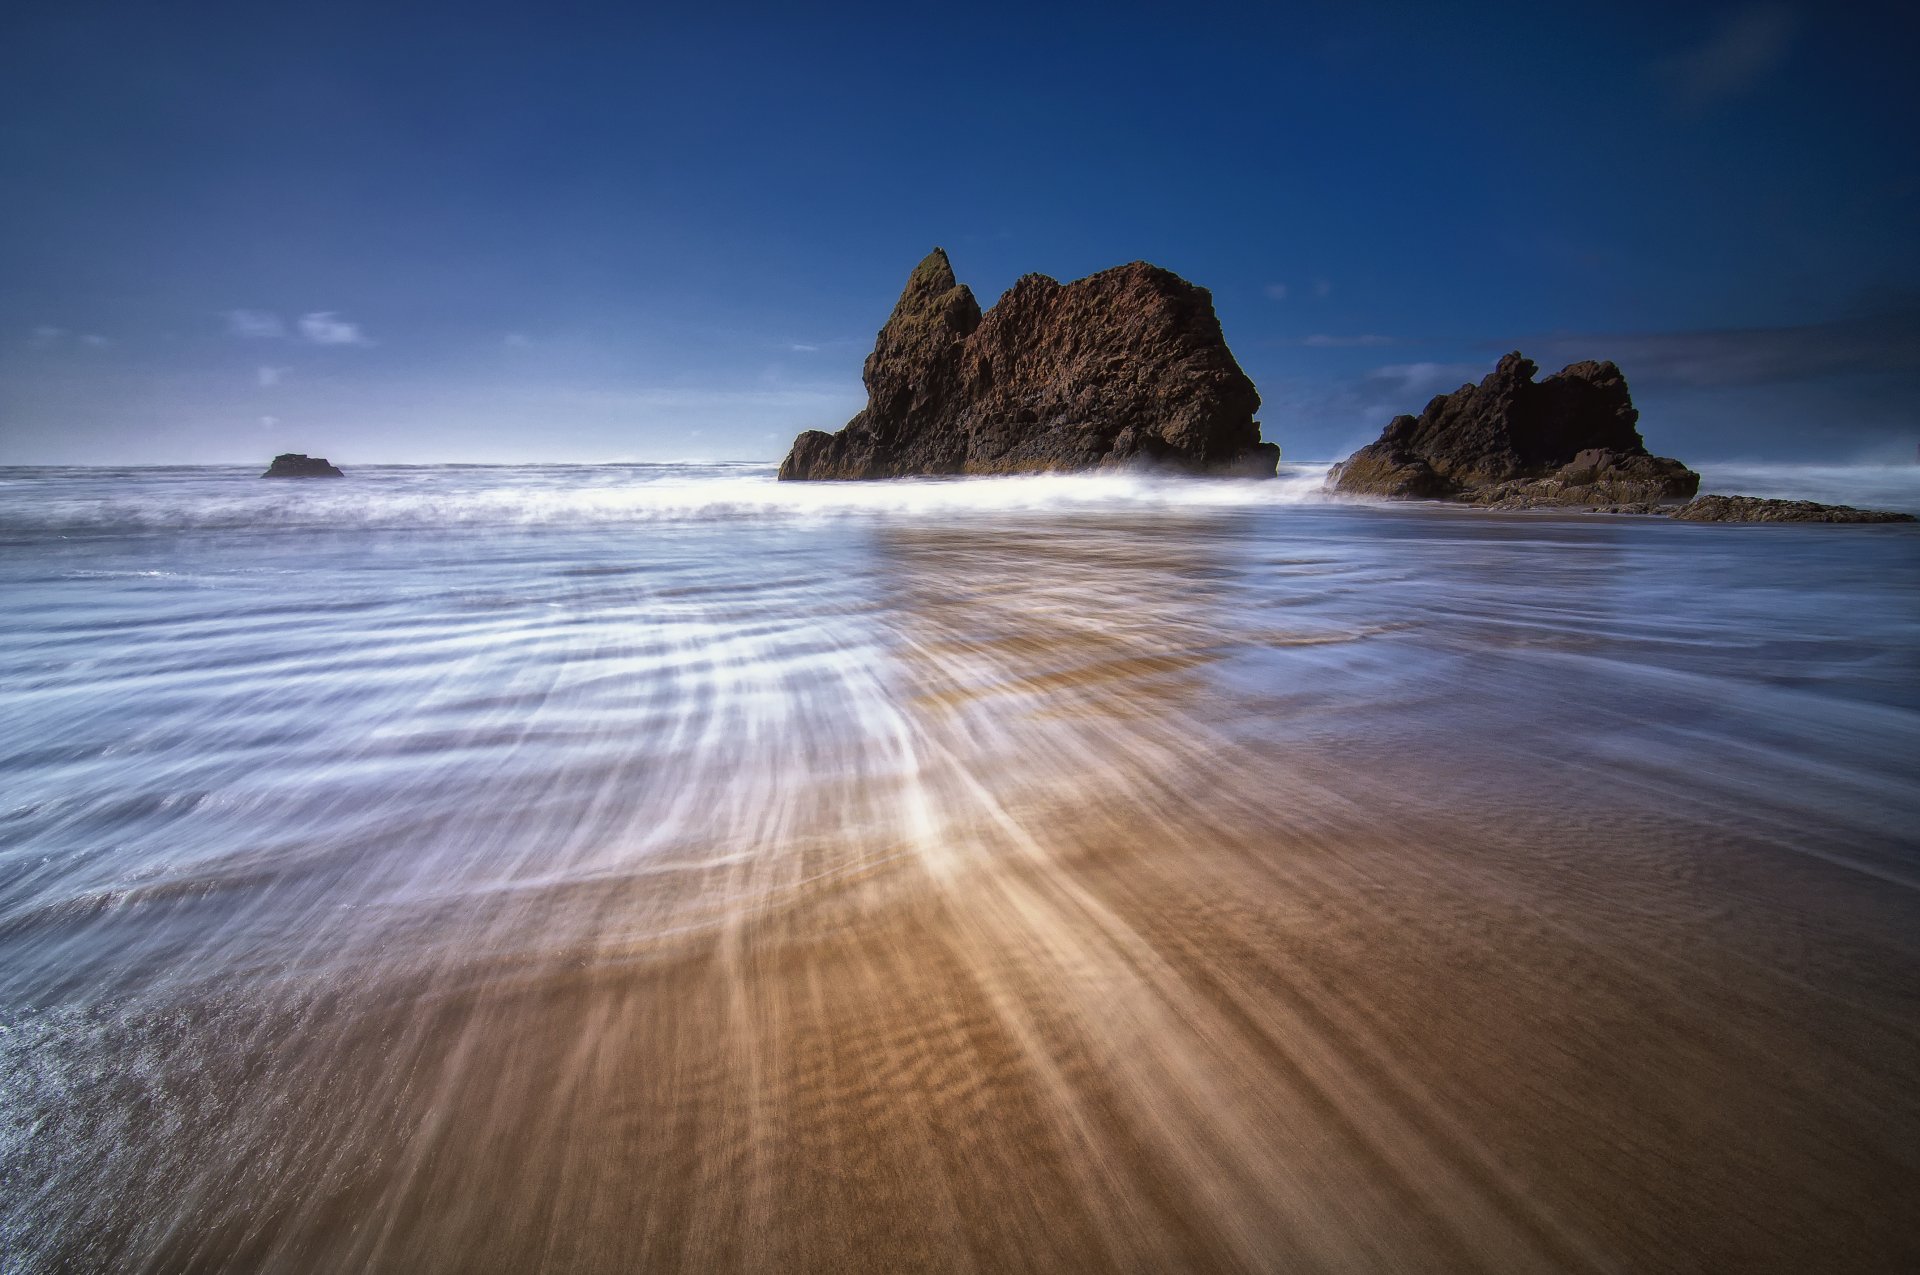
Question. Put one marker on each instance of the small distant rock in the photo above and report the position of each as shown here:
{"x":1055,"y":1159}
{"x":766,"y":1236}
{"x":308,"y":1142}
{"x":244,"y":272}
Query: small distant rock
{"x":1125,"y":368}
{"x":300,"y":465}
{"x":1510,"y":442}
{"x":1758,"y":509}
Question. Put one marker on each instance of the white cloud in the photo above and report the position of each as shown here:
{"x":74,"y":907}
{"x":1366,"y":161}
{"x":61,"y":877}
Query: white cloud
{"x":268,"y":422}
{"x":324,"y":327}
{"x":1747,"y":47}
{"x":801,"y":347}
{"x":45,"y":336}
{"x":1322,"y":288}
{"x":255,"y":325}
{"x":1278,"y":291}
{"x":268,"y":377}
{"x":94,"y":339}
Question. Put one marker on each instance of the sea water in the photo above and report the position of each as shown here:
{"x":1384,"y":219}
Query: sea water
{"x":289,"y":768}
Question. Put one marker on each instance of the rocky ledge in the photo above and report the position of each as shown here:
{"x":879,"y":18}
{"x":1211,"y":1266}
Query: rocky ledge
{"x":1756,"y":509}
{"x":1125,"y":368}
{"x":300,"y":465}
{"x":1511,"y":442}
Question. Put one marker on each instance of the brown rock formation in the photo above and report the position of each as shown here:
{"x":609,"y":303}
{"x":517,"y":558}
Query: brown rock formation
{"x":1511,"y":442}
{"x":301,"y":465}
{"x":1127,"y":367}
{"x":1757,"y":509}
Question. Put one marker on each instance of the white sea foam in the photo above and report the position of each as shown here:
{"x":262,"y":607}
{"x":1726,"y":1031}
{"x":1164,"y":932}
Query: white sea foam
{"x":424,"y":498}
{"x":396,"y":497}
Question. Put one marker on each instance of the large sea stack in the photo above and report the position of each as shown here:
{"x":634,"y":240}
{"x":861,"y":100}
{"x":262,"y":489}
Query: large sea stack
{"x":1513,"y":442}
{"x":1124,"y":368}
{"x":301,"y":465}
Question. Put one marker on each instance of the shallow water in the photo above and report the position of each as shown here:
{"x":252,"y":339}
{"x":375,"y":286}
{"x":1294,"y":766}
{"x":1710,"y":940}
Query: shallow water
{"x":657,"y":867}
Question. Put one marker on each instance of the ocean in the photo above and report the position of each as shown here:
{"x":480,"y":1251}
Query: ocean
{"x":658,"y":867}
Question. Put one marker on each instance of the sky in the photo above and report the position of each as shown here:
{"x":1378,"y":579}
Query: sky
{"x":413,"y":233}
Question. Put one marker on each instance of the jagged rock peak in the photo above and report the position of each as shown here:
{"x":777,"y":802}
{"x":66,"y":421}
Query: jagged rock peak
{"x":933,"y":276}
{"x":1126,"y":367}
{"x":933,"y":295}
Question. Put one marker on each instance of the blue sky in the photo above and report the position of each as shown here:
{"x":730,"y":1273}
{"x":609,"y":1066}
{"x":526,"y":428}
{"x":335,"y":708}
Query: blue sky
{"x":590,"y":232}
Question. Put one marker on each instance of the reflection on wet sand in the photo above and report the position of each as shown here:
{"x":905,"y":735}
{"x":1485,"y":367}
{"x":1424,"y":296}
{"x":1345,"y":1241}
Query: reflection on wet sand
{"x":1050,"y":898}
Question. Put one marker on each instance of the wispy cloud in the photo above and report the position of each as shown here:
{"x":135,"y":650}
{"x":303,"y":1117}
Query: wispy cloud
{"x":47,"y":337}
{"x":1413,"y":379}
{"x":516,"y":341}
{"x":1860,"y":373}
{"x":325,"y":327}
{"x":1886,"y":342}
{"x":1748,"y":45}
{"x":255,"y":325}
{"x":321,"y":327}
{"x":268,"y":377}
{"x":1348,"y":411}
{"x":801,"y":347}
{"x":1322,"y":288}
{"x":1364,"y":341}
{"x":1278,"y":291}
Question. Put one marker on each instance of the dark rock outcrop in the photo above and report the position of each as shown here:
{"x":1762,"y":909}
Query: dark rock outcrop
{"x":1758,"y":509}
{"x":1124,"y":368}
{"x":300,"y":465}
{"x":1512,"y":443}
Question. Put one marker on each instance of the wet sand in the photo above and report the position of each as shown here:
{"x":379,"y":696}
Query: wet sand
{"x":1301,"y":1046}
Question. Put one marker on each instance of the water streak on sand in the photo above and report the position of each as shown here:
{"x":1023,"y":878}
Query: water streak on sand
{"x":659,"y":868}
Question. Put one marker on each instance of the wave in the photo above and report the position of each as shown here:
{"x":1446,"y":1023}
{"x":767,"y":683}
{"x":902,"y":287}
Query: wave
{"x":137,"y":501}
{"x":404,"y":497}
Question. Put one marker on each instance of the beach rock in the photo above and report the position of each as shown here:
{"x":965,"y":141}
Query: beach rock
{"x":1758,"y":509}
{"x":300,"y":465}
{"x":1125,"y":368}
{"x":1511,"y":442}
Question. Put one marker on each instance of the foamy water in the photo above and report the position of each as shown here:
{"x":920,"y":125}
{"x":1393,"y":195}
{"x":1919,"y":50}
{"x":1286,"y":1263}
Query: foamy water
{"x":660,"y":867}
{"x":402,"y":497}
